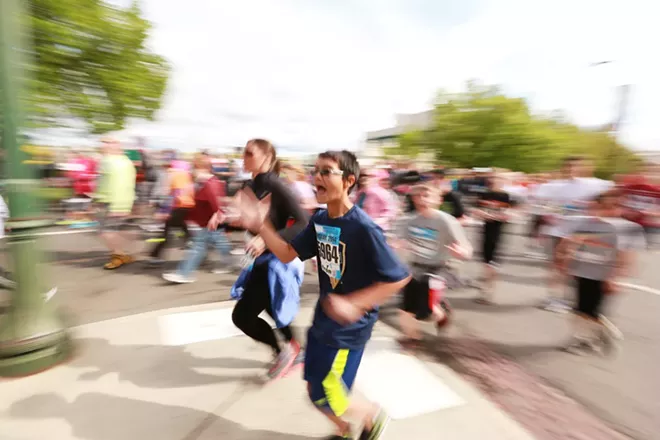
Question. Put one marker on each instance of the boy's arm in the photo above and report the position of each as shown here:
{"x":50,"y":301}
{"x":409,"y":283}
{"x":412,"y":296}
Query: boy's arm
{"x":376,"y":294}
{"x":460,"y":246}
{"x":277,"y":245}
{"x":389,"y":274}
{"x":287,"y":198}
{"x":253,"y":214}
{"x":346,"y":309}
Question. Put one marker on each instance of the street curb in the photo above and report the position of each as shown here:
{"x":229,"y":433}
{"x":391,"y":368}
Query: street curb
{"x":541,"y":408}
{"x":155,"y":313}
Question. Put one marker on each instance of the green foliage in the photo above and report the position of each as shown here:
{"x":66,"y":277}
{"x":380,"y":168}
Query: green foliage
{"x":410,"y":144}
{"x":90,"y":61}
{"x":484,"y":128}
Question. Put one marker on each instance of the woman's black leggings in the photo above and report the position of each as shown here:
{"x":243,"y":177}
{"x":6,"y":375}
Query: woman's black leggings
{"x":177,"y":219}
{"x":256,"y":299}
{"x":492,"y":234}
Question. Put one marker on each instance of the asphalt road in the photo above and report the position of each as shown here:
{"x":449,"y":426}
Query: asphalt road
{"x":623,"y":392}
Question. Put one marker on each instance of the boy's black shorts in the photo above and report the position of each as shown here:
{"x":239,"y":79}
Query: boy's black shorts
{"x":591,"y":295}
{"x":417,"y":299}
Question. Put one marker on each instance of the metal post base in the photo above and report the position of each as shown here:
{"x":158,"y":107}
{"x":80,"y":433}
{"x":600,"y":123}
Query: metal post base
{"x":32,"y":339}
{"x":33,"y":362}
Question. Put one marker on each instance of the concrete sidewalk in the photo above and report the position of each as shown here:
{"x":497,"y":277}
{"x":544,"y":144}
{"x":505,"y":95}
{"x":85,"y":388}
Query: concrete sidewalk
{"x":184,"y":374}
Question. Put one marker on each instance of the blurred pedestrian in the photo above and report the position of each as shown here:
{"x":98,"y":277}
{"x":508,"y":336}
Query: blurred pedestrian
{"x":493,"y":208}
{"x":182,"y":193}
{"x":597,"y":250}
{"x":375,"y":200}
{"x":207,"y":213}
{"x":115,"y":196}
{"x":267,"y":283}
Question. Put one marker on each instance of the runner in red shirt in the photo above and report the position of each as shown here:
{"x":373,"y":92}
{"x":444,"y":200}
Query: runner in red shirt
{"x":209,"y":193}
{"x":641,"y":204}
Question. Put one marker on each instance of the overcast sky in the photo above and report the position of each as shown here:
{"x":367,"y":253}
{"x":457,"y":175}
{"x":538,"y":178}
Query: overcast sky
{"x":319,"y":73}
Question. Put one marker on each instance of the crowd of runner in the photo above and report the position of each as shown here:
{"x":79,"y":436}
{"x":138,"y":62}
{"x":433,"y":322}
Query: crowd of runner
{"x":372,"y":233}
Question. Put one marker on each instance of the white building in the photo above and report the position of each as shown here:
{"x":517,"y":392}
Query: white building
{"x":651,"y":157}
{"x":377,"y":142}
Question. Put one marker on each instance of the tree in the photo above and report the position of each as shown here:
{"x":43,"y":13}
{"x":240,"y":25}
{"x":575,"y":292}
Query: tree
{"x":482,"y":127}
{"x":90,"y":62}
{"x":410,"y":144}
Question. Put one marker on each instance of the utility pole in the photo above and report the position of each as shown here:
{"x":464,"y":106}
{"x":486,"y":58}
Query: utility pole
{"x":32,"y":336}
{"x":613,"y":128}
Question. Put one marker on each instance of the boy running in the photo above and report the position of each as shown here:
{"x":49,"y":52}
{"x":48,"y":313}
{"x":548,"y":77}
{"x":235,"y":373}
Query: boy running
{"x":596,"y":250}
{"x":358,"y":272}
{"x":433,"y":237}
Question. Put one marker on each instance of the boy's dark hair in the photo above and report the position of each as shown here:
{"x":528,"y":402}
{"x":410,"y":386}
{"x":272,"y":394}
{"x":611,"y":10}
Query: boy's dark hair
{"x":346,"y":161}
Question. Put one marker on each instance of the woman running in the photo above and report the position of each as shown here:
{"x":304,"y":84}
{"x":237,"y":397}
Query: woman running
{"x":493,"y":209}
{"x":270,"y":284}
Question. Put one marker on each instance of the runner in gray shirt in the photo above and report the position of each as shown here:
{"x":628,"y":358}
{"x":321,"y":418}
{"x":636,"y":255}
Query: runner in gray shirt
{"x":595,"y":251}
{"x":432,"y":237}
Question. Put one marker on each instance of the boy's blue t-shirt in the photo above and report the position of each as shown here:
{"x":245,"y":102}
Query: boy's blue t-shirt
{"x":352,"y":254}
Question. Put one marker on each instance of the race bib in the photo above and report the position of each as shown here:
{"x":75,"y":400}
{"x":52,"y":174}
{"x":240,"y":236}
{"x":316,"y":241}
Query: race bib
{"x":331,"y":252}
{"x":594,"y":256}
{"x":423,"y":241}
{"x":595,"y":249}
{"x":575,"y":209}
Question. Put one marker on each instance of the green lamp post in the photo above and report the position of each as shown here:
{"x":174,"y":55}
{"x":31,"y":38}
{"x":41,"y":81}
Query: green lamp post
{"x":32,"y":335}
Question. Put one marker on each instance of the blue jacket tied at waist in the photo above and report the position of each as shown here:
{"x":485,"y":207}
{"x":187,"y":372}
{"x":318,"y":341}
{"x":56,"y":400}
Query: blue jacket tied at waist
{"x":284,"y":281}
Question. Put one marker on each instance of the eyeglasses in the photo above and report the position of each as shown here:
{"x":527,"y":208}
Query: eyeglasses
{"x":325,"y":172}
{"x":248,"y":153}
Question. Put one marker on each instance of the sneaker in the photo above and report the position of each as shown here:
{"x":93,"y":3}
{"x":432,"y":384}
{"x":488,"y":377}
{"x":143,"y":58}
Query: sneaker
{"x":299,"y":361}
{"x":380,"y":425}
{"x":555,"y":305}
{"x":610,"y":346}
{"x":484,"y":300}
{"x":440,"y":325}
{"x":283,"y":362}
{"x":582,"y":347}
{"x":340,"y":437}
{"x":117,"y":261}
{"x":611,"y":329}
{"x":578,"y":347}
{"x":221,"y":271}
{"x":610,"y":338}
{"x":176,"y":278}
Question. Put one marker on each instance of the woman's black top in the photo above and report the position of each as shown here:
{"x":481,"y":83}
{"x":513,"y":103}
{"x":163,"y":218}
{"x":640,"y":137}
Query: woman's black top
{"x":284,"y":205}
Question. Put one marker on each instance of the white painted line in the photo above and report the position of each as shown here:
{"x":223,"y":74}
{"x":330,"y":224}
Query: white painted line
{"x":74,"y":231}
{"x":402,"y":384}
{"x":206,"y":325}
{"x":68,"y":232}
{"x":640,"y":288}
